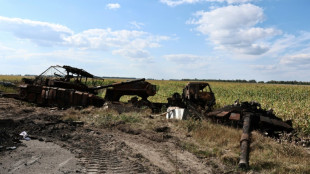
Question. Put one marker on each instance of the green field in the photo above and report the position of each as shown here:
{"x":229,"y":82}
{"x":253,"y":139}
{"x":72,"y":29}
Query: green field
{"x":287,"y":101}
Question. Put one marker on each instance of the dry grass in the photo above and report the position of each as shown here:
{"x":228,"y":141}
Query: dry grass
{"x":7,"y":89}
{"x":14,"y":79}
{"x":207,"y":140}
{"x":101,"y":117}
{"x":267,"y":156}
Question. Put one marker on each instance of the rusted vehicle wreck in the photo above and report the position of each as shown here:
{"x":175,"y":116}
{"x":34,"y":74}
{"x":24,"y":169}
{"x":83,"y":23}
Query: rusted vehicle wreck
{"x":198,"y":99}
{"x":250,"y":116}
{"x":66,"y":86}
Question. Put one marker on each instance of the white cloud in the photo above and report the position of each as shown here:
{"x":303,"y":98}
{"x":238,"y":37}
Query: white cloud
{"x":263,"y":67}
{"x":104,"y":38}
{"x":173,"y":3}
{"x":291,"y":43}
{"x":136,"y":25}
{"x":231,"y":1}
{"x":113,"y":6}
{"x":185,"y":58}
{"x":134,"y":54}
{"x":233,"y":28}
{"x":128,"y":43}
{"x":179,"y":2}
{"x":6,"y":49}
{"x":296,"y":60}
{"x":42,"y":33}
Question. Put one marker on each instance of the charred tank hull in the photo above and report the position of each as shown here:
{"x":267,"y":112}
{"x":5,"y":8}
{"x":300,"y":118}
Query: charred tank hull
{"x":58,"y":97}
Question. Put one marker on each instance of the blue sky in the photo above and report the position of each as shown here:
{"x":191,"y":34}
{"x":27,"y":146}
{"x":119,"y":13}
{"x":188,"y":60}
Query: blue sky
{"x":162,"y":39}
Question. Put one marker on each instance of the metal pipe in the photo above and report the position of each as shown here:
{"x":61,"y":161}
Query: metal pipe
{"x":245,"y":141}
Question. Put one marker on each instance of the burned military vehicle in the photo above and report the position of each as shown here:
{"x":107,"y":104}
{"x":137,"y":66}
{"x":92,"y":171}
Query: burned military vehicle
{"x":199,"y":94}
{"x":250,"y":116}
{"x":197,"y":97}
{"x":137,"y":87}
{"x":62,"y":86}
{"x":66,"y":86}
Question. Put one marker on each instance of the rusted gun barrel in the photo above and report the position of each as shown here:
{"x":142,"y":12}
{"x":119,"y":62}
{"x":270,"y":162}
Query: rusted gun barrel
{"x":252,"y":117}
{"x":117,"y":84}
{"x":245,"y":141}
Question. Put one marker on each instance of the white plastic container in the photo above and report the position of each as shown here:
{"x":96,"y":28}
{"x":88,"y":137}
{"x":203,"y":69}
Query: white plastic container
{"x":175,"y":113}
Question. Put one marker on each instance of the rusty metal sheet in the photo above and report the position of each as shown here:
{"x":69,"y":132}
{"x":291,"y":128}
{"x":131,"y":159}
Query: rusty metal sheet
{"x":34,"y":89}
{"x":214,"y":113}
{"x":31,"y":97}
{"x":40,"y":97}
{"x":71,"y":99}
{"x":222,"y":114}
{"x":78,"y":98}
{"x":61,"y":95}
{"x":234,"y":116}
{"x":51,"y":95}
{"x":90,"y":99}
{"x":84,"y":99}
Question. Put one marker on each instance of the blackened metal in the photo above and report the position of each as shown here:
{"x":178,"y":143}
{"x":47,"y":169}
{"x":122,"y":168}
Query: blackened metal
{"x":200,"y":94}
{"x":262,"y":120}
{"x":137,"y":87}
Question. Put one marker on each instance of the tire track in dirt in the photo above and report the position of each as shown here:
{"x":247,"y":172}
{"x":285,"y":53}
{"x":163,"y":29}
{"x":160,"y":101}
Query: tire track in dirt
{"x":105,"y":154}
{"x":167,"y":155}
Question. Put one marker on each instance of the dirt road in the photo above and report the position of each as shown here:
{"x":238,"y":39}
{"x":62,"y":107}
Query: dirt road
{"x":72,"y":147}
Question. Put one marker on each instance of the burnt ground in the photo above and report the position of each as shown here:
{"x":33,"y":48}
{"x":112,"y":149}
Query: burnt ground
{"x":57,"y":146}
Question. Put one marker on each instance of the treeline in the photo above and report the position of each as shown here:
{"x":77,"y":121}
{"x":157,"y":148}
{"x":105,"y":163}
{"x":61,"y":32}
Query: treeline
{"x":250,"y":81}
{"x":289,"y":82}
{"x":220,"y":80}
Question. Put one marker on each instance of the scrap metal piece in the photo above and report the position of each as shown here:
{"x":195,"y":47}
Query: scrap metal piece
{"x":223,"y":113}
{"x":234,"y":116}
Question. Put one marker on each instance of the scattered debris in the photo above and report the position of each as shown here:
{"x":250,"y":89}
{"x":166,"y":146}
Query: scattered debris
{"x":25,"y":136}
{"x":11,"y":148}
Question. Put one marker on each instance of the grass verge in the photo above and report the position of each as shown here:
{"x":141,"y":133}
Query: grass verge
{"x":266,"y":156}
